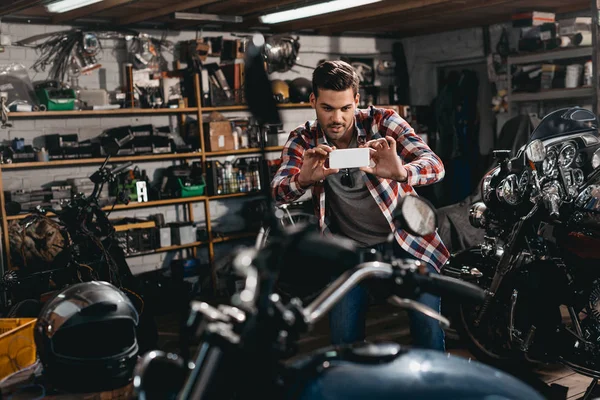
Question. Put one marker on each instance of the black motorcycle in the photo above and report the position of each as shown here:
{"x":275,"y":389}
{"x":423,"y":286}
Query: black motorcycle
{"x":245,"y":345}
{"x":539,"y":261}
{"x":87,"y":249}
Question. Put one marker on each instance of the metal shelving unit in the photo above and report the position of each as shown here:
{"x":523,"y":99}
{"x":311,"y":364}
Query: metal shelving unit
{"x":553,"y":94}
{"x":189,"y":201}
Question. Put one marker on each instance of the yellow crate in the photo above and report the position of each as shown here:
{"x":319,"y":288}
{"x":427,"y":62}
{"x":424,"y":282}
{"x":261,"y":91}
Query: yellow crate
{"x":17,"y":345}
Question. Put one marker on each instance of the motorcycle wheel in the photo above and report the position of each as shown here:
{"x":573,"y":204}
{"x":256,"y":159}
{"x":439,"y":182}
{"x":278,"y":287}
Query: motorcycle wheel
{"x":489,"y":341}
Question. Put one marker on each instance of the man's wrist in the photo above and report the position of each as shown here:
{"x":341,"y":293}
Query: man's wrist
{"x":302,"y":183}
{"x":402,"y":175}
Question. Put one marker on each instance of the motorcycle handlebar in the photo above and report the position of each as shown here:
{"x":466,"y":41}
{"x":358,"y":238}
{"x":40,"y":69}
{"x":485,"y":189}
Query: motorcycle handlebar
{"x":435,"y":284}
{"x":442,"y":285}
{"x":342,"y":285}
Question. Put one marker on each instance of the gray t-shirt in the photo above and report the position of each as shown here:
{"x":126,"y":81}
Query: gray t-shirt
{"x":352,"y":211}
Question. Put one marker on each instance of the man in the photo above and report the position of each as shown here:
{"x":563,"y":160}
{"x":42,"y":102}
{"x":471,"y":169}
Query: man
{"x":359,"y":203}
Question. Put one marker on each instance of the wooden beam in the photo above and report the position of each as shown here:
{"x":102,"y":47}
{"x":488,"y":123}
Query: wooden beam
{"x":426,"y":27}
{"x":434,"y":12}
{"x":149,"y":15}
{"x":237,"y":7}
{"x":378,"y":10}
{"x":572,"y":7}
{"x":19,"y":5}
{"x":263,"y":6}
{"x":89,"y":10}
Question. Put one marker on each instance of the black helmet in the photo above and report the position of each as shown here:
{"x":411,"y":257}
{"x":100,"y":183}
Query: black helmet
{"x":300,"y":90}
{"x":86,"y":337}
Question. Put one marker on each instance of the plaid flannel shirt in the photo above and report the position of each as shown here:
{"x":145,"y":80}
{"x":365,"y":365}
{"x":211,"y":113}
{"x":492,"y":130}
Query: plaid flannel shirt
{"x":423,"y":166}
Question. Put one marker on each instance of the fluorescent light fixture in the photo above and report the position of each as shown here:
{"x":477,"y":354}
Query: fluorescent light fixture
{"x":67,"y":5}
{"x":208,"y":17}
{"x":311,"y":11}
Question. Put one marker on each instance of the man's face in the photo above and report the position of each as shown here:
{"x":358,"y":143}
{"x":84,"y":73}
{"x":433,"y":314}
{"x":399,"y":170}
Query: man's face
{"x":335,"y":111}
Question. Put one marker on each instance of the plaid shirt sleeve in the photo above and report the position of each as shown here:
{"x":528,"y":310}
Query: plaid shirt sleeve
{"x":423,"y":166}
{"x":284,"y":186}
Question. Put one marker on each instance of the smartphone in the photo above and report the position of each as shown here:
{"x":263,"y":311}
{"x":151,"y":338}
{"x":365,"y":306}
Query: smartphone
{"x":350,"y":158}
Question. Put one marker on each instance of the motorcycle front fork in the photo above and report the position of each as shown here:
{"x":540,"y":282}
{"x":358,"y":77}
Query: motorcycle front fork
{"x":515,"y":334}
{"x":504,"y":266}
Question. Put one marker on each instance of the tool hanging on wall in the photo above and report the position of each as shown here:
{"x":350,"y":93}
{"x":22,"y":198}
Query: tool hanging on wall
{"x":75,"y":51}
{"x":4,"y":111}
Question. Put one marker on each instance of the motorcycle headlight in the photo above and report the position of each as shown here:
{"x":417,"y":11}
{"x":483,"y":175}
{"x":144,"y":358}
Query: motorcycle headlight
{"x":596,"y":159}
{"x":486,"y":184}
{"x":477,"y":215}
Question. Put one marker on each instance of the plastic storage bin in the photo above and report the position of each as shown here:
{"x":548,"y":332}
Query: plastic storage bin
{"x":17,"y":345}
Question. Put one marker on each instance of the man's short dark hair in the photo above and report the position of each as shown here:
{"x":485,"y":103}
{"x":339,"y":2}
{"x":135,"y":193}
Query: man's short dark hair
{"x":334,"y":75}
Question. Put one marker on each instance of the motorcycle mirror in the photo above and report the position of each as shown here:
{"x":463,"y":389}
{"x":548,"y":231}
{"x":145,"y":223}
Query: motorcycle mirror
{"x":159,"y":375}
{"x":257,"y":87}
{"x":416,"y":216}
{"x":536,"y":151}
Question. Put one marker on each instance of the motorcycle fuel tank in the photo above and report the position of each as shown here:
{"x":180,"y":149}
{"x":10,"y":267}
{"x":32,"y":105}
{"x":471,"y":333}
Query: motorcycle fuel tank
{"x":388,"y":371}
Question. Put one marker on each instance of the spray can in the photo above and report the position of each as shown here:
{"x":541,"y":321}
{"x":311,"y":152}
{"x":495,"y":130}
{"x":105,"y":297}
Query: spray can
{"x":588,"y":73}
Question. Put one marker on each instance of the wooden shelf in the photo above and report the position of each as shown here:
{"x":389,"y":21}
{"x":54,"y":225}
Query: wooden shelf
{"x":242,"y":151}
{"x":156,"y":203}
{"x":99,"y":113}
{"x":245,"y":108}
{"x":89,"y":161}
{"x":134,"y":225}
{"x":144,"y":157}
{"x":553,"y":94}
{"x":221,"y":239}
{"x":167,"y":249}
{"x":132,"y":205}
{"x":559,"y":54}
{"x":138,"y":111}
{"x":234,"y":236}
{"x":228,"y":196}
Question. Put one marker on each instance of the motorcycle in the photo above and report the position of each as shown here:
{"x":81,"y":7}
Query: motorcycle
{"x":87,"y":250}
{"x":538,"y":262}
{"x":245,"y":345}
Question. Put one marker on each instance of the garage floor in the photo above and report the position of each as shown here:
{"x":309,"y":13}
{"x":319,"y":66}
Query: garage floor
{"x":388,"y":323}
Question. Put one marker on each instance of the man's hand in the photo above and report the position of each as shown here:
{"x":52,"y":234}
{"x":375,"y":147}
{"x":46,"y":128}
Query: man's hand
{"x":387,"y":162}
{"x":313,"y":165}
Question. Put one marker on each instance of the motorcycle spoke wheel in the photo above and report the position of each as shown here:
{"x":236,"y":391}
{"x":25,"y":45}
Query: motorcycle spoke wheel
{"x":491,"y":336}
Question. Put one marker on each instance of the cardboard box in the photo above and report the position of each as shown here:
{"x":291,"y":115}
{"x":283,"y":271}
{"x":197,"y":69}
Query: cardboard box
{"x":572,"y":26}
{"x":532,"y":18}
{"x":218,"y":135}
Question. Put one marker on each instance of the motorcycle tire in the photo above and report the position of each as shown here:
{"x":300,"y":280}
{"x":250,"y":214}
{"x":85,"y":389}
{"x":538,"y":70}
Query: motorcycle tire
{"x":490,"y":345}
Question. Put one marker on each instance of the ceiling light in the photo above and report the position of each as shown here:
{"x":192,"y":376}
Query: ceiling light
{"x":310,"y":11}
{"x":208,"y":17}
{"x":67,"y":5}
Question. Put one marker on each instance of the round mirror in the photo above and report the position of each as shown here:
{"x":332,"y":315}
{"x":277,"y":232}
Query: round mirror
{"x":415,"y":215}
{"x":159,"y":375}
{"x":536,"y":151}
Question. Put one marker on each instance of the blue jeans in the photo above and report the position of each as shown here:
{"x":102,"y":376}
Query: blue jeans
{"x":347,"y":319}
